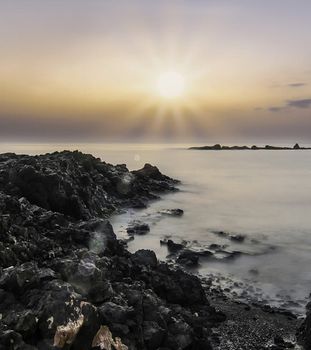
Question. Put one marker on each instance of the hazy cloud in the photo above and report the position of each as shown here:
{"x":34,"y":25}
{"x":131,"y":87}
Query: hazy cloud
{"x":275,"y":109}
{"x":304,"y":103}
{"x":301,"y":103}
{"x":296,"y":85}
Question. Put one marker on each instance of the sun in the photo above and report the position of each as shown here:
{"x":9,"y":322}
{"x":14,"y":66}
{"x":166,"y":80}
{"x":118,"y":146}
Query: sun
{"x":170,"y":85}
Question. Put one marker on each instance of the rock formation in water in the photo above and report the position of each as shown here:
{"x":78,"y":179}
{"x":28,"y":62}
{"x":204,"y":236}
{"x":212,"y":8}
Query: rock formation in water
{"x":218,"y":147}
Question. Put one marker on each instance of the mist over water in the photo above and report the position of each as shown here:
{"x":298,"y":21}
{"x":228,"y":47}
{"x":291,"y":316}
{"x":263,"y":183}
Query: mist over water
{"x":264,"y":195}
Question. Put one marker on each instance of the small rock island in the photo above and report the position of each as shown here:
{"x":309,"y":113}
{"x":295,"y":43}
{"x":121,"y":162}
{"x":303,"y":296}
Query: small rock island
{"x":219,"y":147}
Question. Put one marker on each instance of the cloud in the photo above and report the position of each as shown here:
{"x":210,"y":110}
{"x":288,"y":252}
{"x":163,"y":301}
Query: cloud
{"x":304,"y":103}
{"x":275,"y":109}
{"x":296,"y":85}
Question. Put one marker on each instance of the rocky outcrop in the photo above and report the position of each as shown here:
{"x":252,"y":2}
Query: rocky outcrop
{"x":66,"y":282}
{"x":79,"y":185}
{"x":218,"y":147}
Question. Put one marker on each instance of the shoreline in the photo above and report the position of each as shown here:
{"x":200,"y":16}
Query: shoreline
{"x":48,"y":205}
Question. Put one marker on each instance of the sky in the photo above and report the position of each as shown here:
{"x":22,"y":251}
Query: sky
{"x":89,"y":70}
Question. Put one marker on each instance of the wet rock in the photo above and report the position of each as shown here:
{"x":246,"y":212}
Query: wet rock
{"x":233,"y":237}
{"x":188,"y":258}
{"x":237,"y":238}
{"x":137,"y":228}
{"x":172,"y":212}
{"x":216,"y":247}
{"x":172,"y":246}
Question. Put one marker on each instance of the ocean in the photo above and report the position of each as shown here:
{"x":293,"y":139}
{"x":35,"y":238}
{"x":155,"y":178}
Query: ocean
{"x":262,"y":195}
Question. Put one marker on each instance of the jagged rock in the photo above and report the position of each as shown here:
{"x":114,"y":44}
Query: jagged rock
{"x":113,"y":313}
{"x":104,"y":340}
{"x":66,"y":334}
{"x":137,"y":228}
{"x":77,"y":184}
{"x":145,"y":257}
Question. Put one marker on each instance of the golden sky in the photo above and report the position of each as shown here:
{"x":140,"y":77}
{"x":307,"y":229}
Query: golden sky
{"x":90,"y":69}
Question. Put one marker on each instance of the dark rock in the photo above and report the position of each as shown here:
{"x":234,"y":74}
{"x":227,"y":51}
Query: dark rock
{"x":79,"y":185}
{"x":216,"y":247}
{"x":282,"y":344}
{"x":188,"y":258}
{"x":241,"y":148}
{"x":172,"y":246}
{"x":153,"y":335}
{"x":233,"y":237}
{"x":149,"y":171}
{"x":111,"y":313}
{"x":237,"y":238}
{"x":145,"y":257}
{"x":177,"y":286}
{"x":172,"y":212}
{"x":138,"y":228}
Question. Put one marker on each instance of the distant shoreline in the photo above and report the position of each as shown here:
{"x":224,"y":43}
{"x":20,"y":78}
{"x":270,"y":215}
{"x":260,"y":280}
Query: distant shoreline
{"x":218,"y":147}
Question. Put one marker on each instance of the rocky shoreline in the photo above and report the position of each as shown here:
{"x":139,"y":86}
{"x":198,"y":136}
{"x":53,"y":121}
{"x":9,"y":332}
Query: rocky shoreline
{"x":67,"y":282}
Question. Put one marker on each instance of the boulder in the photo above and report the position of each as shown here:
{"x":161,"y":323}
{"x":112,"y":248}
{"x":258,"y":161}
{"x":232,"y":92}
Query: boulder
{"x":177,"y":286}
{"x":172,"y":246}
{"x":145,"y":257}
{"x":137,"y":228}
{"x":188,"y":258}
